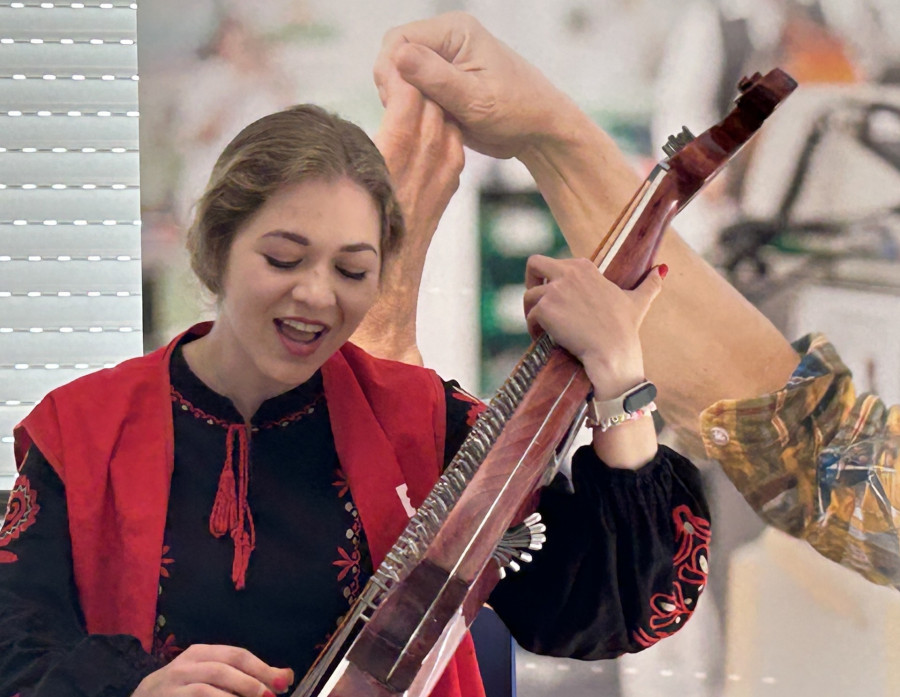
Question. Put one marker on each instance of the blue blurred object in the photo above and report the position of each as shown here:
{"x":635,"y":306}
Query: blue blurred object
{"x":496,"y":655}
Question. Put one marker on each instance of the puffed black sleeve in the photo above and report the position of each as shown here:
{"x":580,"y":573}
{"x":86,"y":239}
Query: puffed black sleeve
{"x":624,"y":562}
{"x":625,"y":559}
{"x":45,"y":650}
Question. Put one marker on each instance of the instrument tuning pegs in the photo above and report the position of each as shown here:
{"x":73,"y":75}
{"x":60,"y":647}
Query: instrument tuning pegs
{"x":746,"y":83}
{"x":677,"y":142}
{"x":528,"y":535}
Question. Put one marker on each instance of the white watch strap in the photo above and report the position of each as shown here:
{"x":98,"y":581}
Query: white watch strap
{"x":618,"y":409}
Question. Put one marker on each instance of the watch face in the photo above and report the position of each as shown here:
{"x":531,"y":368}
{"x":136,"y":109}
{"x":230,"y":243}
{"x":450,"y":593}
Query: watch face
{"x":639,"y":398}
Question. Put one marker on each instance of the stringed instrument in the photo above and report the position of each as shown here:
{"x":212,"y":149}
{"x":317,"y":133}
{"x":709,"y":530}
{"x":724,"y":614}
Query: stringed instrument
{"x":403,"y":629}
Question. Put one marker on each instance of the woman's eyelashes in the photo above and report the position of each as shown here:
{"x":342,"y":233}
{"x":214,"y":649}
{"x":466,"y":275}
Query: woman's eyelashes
{"x":352,"y":275}
{"x":294,"y":263}
{"x":280,"y":263}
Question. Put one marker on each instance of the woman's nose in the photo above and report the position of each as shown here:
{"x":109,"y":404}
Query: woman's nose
{"x":314,"y":288}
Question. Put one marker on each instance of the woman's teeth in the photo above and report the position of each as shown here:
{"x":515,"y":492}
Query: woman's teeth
{"x":301,"y":331}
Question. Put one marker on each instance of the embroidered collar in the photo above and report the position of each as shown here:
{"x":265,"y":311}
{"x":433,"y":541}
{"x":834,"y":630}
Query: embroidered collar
{"x":207,"y":404}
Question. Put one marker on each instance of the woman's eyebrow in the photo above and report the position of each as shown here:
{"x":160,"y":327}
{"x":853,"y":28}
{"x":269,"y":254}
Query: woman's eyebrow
{"x":360,"y":247}
{"x":292,"y":236}
{"x":304,"y":240}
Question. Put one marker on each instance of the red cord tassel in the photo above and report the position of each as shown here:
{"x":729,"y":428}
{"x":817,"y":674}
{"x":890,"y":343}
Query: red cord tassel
{"x":231,"y":510}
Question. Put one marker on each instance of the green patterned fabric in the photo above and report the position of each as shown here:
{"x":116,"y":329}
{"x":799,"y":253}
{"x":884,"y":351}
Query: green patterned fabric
{"x":818,"y":462}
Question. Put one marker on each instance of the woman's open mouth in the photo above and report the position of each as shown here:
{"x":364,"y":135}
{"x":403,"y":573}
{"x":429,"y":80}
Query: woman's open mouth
{"x":300,"y":332}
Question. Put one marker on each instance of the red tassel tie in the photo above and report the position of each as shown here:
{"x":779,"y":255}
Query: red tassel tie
{"x":231,"y":511}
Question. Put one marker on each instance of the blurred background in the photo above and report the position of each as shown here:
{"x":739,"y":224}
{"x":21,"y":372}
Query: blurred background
{"x":806,"y":224}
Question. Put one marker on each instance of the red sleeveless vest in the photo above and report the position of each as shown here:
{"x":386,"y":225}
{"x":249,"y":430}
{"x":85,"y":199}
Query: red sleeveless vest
{"x":109,"y":437}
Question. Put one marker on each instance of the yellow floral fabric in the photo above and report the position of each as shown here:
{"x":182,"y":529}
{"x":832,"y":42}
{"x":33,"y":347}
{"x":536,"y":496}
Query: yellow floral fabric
{"x":818,"y":462}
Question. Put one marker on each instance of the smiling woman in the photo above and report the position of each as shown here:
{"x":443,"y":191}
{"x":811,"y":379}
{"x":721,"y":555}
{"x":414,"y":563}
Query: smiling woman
{"x":299,"y":144}
{"x":201,"y":517}
{"x":301,"y":274}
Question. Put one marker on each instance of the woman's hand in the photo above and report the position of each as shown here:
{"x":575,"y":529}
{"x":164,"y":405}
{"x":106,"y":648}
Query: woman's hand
{"x":598,"y":323}
{"x":591,"y":317}
{"x":215,"y":671}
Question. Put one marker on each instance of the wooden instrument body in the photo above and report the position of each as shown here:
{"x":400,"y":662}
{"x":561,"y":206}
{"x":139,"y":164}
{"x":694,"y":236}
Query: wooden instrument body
{"x":411,"y":635}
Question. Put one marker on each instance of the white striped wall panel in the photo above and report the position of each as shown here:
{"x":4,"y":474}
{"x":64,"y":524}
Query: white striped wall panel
{"x":70,"y":273}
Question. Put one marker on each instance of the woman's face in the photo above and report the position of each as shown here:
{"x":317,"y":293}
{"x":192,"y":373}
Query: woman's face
{"x":301,"y":274}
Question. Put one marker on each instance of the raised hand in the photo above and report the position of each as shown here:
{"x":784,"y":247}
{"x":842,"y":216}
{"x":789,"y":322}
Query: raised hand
{"x":215,"y":671}
{"x":499,"y":99}
{"x":424,"y":154}
{"x":506,"y":107}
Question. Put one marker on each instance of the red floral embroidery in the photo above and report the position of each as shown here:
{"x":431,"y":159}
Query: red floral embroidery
{"x":347,"y":562}
{"x":21,"y":512}
{"x":165,"y":649}
{"x":670,"y":610}
{"x":198,"y":413}
{"x":163,"y":571}
{"x":693,"y":552}
{"x":477,"y":405}
{"x":341,"y":483}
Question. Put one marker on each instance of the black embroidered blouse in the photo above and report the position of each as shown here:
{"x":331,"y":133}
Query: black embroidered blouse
{"x":623,"y":566}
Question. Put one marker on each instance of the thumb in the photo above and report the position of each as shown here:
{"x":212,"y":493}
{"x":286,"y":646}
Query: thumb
{"x":649,"y":288}
{"x":435,"y":77}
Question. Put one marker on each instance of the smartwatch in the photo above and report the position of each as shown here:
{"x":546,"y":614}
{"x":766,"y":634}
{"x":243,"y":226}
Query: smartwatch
{"x":609,"y":412}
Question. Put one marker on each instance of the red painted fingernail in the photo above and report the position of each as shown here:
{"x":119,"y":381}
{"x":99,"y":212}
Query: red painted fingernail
{"x":280,"y":684}
{"x":663,"y":270}
{"x":268,"y":693}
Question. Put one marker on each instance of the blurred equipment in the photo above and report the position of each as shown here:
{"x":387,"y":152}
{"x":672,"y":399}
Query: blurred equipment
{"x":822,"y":217}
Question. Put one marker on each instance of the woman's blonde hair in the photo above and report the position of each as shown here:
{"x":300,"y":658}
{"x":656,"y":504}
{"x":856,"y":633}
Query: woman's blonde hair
{"x":288,"y":147}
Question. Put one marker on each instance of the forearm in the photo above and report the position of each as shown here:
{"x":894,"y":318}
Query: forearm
{"x":37,"y":663}
{"x":389,"y":328}
{"x":630,"y":445}
{"x":702,"y":340}
{"x":582,"y":174}
{"x":424,"y":153}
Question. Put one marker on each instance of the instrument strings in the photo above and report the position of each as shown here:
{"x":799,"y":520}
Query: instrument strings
{"x":429,"y":517}
{"x":425,"y":523}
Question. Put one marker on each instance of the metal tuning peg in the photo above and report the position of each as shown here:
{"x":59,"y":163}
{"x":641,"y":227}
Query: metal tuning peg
{"x":527,"y":535}
{"x":677,"y":142}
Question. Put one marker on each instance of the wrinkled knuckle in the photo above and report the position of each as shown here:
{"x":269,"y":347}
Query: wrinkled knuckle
{"x":180,"y":672}
{"x":434,"y":149}
{"x":583,"y":265}
{"x":235,"y":655}
{"x":455,"y":158}
{"x":217,"y":673}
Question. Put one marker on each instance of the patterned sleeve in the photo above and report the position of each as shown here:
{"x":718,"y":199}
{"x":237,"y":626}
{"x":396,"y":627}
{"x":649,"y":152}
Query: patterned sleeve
{"x":624,"y":563}
{"x":818,"y":462}
{"x":44,"y":649}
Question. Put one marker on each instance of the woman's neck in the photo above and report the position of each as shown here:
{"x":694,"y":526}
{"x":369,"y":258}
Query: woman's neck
{"x":217,"y":372}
